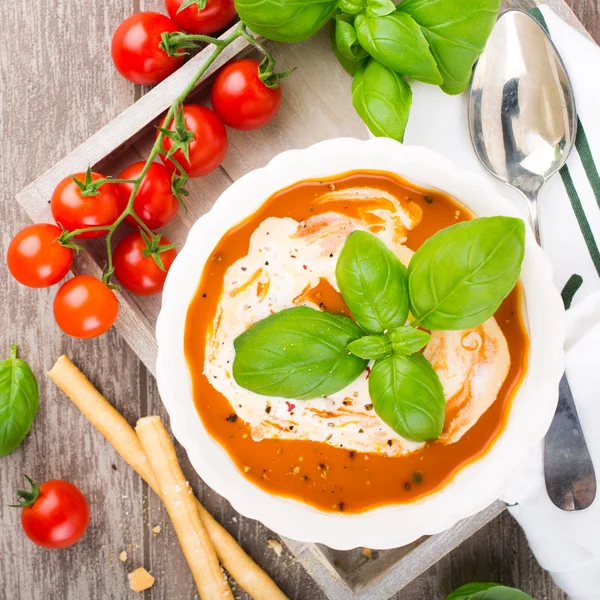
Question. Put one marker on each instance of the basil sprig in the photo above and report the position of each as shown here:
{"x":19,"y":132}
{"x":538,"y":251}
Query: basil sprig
{"x":456,"y":280}
{"x":19,"y":398}
{"x":487,"y":591}
{"x":435,"y":41}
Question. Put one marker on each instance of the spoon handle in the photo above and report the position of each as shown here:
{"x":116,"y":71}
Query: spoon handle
{"x":532,"y":212}
{"x":568,"y":467}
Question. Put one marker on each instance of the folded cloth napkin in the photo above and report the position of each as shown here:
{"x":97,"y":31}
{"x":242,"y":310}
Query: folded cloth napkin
{"x":566,"y":544}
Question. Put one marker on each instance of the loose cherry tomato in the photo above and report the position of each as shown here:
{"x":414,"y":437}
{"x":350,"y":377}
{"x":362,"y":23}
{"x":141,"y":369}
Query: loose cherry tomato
{"x":154,"y":200}
{"x":241,"y":99}
{"x":73,"y":209}
{"x":213,"y":17}
{"x":136,"y":270}
{"x":84,"y":307}
{"x":208,"y":146}
{"x":55,"y":514}
{"x":135,"y":50}
{"x":35,"y":257}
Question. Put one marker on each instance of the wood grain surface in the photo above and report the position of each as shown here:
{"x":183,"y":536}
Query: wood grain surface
{"x":57,"y":87}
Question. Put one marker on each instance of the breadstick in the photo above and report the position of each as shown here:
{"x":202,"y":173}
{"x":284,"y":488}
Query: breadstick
{"x":123,"y":438}
{"x":178,"y":499}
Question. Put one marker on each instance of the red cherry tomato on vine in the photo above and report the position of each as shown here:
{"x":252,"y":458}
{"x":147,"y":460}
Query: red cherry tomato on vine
{"x":138,"y":273}
{"x":84,"y":307}
{"x":55,"y":514}
{"x":154,"y":200}
{"x":135,"y":50}
{"x":73,"y":210}
{"x":214,"y":16}
{"x":35,"y":257}
{"x":241,"y":99}
{"x":209,"y":146}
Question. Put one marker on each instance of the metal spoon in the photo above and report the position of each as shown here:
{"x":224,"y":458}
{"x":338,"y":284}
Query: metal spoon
{"x":523,"y":122}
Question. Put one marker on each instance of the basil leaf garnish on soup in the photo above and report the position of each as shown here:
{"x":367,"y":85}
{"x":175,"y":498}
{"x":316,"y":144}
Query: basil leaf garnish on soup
{"x":407,"y":395}
{"x":373,"y":283}
{"x":408,"y":340}
{"x":371,"y":347}
{"x":298,"y":353}
{"x":459,"y":277}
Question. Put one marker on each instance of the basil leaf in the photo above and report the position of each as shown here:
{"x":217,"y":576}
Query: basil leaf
{"x":380,"y":8}
{"x":466,"y":591}
{"x":458,"y":278}
{"x":397,"y":42}
{"x":501,"y":593}
{"x":457,"y":32}
{"x":352,"y":7}
{"x":373,"y":283}
{"x":382,"y":98}
{"x":19,"y":399}
{"x":371,"y":347}
{"x":285,"y":20}
{"x":298,"y":353}
{"x":407,"y":395}
{"x":345,"y":44}
{"x":408,"y":340}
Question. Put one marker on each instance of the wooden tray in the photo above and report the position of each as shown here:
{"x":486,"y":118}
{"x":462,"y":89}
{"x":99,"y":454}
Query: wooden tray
{"x":316,"y":106}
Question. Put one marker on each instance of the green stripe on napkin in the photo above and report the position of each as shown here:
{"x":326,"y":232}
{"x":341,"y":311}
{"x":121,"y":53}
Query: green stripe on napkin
{"x":587,"y":160}
{"x":570,"y":289}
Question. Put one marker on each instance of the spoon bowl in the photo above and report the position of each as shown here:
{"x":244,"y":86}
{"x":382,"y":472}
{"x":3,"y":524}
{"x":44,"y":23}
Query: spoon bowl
{"x":523,"y":125}
{"x":522,"y":114}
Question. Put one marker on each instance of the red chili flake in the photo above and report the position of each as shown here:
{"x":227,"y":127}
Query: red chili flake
{"x":290,"y":406}
{"x":304,"y":267}
{"x":368,"y":372}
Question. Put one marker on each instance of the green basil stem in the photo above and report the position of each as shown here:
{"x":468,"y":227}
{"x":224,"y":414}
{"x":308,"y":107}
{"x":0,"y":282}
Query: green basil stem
{"x":220,"y":45}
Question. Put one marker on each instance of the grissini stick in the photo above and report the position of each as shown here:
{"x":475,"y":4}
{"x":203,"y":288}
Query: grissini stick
{"x":181,"y":505}
{"x":113,"y":426}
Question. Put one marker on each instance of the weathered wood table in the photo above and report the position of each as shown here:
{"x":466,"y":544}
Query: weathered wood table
{"x":57,"y":87}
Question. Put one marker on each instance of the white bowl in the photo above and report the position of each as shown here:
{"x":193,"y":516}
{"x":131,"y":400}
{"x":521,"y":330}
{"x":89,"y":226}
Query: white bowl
{"x":478,"y":484}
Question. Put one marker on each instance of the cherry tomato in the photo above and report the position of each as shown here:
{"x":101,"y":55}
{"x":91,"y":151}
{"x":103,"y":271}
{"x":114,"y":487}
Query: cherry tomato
{"x":36,"y":259}
{"x":154,"y":201}
{"x":213,"y":17}
{"x":71,"y":209}
{"x":207,"y":149}
{"x":135,"y":50}
{"x":138,"y":273}
{"x":84,"y":307}
{"x":241,"y":99}
{"x":55,"y":514}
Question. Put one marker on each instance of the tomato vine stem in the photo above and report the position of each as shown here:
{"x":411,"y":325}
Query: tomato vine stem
{"x":219,"y":46}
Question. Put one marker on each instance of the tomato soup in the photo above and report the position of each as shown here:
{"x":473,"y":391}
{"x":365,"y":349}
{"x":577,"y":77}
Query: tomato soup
{"x":327,"y":477}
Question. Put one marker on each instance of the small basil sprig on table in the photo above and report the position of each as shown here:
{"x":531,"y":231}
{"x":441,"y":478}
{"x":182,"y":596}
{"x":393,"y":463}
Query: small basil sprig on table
{"x":455,"y":280}
{"x":19,"y":399}
{"x":298,"y":353}
{"x":487,"y":591}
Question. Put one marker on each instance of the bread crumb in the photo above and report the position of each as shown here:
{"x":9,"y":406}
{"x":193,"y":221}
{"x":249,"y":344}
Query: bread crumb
{"x":123,"y":556}
{"x":367,"y":552}
{"x":140,"y":580}
{"x":156,"y":529}
{"x":275,"y":546}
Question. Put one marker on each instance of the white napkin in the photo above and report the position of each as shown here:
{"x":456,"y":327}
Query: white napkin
{"x":566,"y":544}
